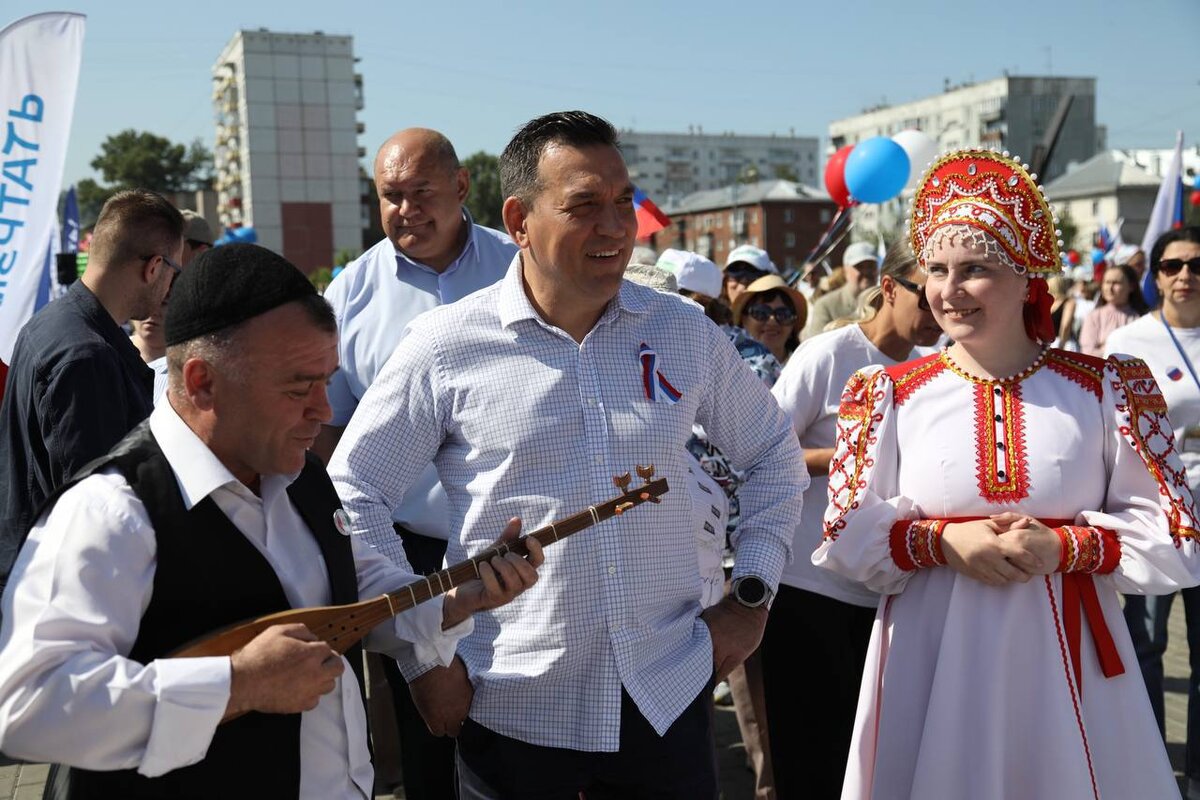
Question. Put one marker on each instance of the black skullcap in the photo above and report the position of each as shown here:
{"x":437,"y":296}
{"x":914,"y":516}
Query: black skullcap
{"x":230,"y":284}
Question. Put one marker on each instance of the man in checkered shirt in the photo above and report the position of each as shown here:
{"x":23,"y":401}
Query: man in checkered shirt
{"x":529,"y":396}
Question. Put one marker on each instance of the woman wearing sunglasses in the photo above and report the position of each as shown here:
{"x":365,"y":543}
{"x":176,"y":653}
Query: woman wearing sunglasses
{"x":1169,"y":341}
{"x":998,"y":495}
{"x":773,"y":313}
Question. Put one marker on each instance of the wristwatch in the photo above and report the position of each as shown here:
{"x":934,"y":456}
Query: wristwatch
{"x":751,"y":591}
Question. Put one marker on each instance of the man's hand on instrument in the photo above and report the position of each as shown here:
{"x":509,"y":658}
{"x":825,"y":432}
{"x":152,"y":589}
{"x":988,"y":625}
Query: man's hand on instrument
{"x":736,"y":631}
{"x":500,"y":580}
{"x":1034,"y":538}
{"x":978,"y":551}
{"x":283,"y":670}
{"x":443,"y":697}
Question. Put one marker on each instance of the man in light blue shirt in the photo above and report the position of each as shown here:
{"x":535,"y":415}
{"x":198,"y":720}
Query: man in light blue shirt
{"x":529,"y":396}
{"x":433,"y":254}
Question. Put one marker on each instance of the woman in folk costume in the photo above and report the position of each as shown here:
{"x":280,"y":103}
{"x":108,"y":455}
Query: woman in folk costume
{"x":1000,"y":494}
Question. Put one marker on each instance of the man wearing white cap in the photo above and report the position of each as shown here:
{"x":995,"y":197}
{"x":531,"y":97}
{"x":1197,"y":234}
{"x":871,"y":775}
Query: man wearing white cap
{"x":861,"y":265}
{"x":745,"y":264}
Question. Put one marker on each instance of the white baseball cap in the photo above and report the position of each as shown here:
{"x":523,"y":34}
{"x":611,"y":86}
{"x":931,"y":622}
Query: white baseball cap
{"x":692,"y":271}
{"x":860,"y":252}
{"x":754,"y":256}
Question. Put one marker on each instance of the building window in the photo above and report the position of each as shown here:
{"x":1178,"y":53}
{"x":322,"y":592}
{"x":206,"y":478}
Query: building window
{"x":789,"y":239}
{"x":788,"y":215}
{"x":754,"y":217}
{"x":825,"y":215}
{"x":720,"y":220}
{"x":1095,"y":208}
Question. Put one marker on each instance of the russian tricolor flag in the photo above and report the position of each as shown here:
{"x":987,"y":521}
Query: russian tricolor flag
{"x":650,"y":218}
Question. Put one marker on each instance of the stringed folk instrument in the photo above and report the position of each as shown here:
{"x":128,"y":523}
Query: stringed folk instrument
{"x":342,"y":626}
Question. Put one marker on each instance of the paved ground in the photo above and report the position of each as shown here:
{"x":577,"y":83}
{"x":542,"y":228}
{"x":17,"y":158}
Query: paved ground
{"x":25,"y":782}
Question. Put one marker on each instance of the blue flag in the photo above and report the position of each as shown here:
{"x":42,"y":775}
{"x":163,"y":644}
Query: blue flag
{"x":70,"y":223}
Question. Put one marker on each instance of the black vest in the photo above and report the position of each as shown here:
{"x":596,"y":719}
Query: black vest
{"x":209,"y":576}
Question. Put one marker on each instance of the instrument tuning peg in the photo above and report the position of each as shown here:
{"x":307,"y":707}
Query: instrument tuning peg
{"x":645,"y":473}
{"x":622,"y":482}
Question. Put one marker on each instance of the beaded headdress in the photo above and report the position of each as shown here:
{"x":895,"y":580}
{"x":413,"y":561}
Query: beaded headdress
{"x":990,"y":200}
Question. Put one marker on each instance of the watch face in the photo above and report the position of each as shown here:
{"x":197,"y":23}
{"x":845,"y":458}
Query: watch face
{"x":751,"y":591}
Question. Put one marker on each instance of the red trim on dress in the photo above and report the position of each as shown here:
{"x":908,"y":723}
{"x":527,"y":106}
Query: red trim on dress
{"x":1080,"y":368}
{"x":1013,"y":485}
{"x":1088,"y":549}
{"x":857,"y":421}
{"x":912,"y":375}
{"x":1062,"y":649}
{"x":1144,"y":424}
{"x":917,"y":543}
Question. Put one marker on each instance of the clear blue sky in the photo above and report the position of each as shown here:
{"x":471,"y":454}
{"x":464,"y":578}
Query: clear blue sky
{"x":477,"y":70}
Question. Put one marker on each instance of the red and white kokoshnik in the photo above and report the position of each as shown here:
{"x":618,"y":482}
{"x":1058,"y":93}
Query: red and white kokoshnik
{"x":990,"y":193}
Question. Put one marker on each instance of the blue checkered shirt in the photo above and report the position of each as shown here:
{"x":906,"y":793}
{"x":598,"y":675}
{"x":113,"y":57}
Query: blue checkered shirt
{"x":521,"y":420}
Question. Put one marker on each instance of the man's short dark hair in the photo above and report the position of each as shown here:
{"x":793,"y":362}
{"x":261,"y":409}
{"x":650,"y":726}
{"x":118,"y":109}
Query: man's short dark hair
{"x":133,"y":224}
{"x":1190,"y":233}
{"x":519,"y":161}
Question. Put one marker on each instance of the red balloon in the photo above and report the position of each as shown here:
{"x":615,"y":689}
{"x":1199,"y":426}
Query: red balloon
{"x":1073,"y":258}
{"x":835,"y":176}
{"x":1196,"y":198}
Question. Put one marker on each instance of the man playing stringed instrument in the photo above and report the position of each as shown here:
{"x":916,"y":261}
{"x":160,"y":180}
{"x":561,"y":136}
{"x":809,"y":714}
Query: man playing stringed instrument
{"x":529,"y":394}
{"x":209,"y":513}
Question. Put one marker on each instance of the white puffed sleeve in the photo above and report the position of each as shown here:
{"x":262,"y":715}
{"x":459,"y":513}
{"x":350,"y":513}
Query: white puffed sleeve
{"x":1149,"y":506}
{"x":864,"y":500}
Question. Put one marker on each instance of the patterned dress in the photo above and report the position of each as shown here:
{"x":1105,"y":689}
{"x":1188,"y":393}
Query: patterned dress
{"x":1030,"y":690}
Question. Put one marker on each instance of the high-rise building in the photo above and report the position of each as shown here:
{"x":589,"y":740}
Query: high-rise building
{"x":287,"y":154}
{"x":1009,"y":113}
{"x":668,"y":166}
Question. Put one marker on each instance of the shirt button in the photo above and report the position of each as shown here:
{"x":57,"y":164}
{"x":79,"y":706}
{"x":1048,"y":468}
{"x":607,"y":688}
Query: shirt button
{"x":612,"y":569}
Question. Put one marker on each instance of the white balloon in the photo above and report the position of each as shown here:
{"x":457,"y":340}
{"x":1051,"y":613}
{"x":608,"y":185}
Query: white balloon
{"x":921,"y":149}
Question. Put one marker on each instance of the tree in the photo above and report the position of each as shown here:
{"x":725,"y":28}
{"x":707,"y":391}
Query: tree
{"x":91,"y":197}
{"x":785,"y":172}
{"x":133,"y":159}
{"x":485,"y":200}
{"x":1070,"y":231}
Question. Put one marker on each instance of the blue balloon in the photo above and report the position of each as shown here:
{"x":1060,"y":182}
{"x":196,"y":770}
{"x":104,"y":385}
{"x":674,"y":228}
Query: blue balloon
{"x":876,"y":170}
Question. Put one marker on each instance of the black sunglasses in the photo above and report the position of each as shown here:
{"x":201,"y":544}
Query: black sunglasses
{"x":1171,"y":266}
{"x":783,"y":315}
{"x":918,"y":290}
{"x":744,"y":275}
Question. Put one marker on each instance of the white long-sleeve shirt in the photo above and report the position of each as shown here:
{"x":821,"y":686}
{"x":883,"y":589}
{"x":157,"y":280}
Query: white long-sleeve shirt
{"x":72,"y":611}
{"x":522,"y":420}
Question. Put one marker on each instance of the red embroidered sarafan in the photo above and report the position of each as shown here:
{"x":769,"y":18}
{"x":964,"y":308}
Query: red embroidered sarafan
{"x":858,"y":418}
{"x":1147,"y":429}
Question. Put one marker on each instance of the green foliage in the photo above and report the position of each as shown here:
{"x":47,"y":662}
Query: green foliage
{"x":132,"y":159}
{"x":90,"y":196}
{"x":785,"y":172}
{"x":344,"y":256}
{"x":320,"y":278}
{"x":484,"y":200}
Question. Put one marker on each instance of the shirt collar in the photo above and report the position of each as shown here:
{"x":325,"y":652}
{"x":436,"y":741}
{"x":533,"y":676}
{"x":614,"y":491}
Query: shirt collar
{"x":468,"y":247}
{"x":197,"y":469}
{"x":102,"y":322}
{"x":514,"y":304}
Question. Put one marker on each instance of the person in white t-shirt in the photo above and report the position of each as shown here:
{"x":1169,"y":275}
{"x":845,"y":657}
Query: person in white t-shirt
{"x":1168,"y":340}
{"x":811,"y":701}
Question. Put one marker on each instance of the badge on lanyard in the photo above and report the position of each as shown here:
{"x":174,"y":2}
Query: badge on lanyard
{"x":656,"y":386}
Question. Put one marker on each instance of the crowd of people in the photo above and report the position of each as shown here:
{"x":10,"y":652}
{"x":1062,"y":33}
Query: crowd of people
{"x":905,"y":500}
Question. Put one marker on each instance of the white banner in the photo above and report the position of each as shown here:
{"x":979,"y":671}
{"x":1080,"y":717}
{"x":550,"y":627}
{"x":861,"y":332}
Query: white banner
{"x":39,"y":62}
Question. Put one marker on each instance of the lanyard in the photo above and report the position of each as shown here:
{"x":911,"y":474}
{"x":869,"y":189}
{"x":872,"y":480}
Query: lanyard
{"x":1187,"y":361}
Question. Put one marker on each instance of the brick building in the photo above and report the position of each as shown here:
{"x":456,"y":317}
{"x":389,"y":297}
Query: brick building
{"x":784,"y":218}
